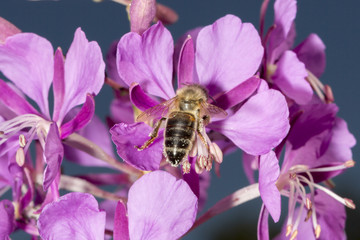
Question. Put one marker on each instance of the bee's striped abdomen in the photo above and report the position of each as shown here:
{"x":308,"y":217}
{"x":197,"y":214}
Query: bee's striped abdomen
{"x":179,"y":136}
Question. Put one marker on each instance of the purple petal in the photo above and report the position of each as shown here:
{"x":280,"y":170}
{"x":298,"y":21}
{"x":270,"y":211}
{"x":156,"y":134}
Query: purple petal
{"x":263,"y":224}
{"x":27,"y":60}
{"x":127,"y":136}
{"x":312,"y":53}
{"x":259,"y":125}
{"x":58,"y":84}
{"x":290,"y":77}
{"x":96,"y":132}
{"x":281,"y":37}
{"x":54,"y":153}
{"x":227,"y":53}
{"x":7,"y":29}
{"x":139,"y":98}
{"x":121,"y":223}
{"x":160,"y":207}
{"x":6,"y":219}
{"x":81,"y":119}
{"x":84,"y":72}
{"x":73,"y":216}
{"x":140,"y":60}
{"x":142,"y":12}
{"x":186,"y":63}
{"x":14,"y":101}
{"x":269,"y":172}
{"x":315,"y":119}
{"x":111,"y":69}
{"x":238,"y":93}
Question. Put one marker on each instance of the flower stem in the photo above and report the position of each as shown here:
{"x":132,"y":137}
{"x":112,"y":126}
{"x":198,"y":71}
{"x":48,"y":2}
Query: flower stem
{"x":77,"y":141}
{"x":235,"y":199}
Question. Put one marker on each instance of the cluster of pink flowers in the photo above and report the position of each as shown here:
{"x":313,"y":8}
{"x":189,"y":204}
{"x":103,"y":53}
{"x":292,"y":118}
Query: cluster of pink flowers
{"x":264,"y":97}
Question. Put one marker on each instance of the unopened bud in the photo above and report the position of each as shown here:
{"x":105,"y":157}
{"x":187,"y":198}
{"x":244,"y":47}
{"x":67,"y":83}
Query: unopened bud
{"x":142,"y":12}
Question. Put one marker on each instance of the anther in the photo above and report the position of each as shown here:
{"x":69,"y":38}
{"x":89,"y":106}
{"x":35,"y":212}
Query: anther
{"x":288,"y":230}
{"x":317,"y":231}
{"x":349,"y":203}
{"x":308,"y":203}
{"x":294,"y":234}
{"x":186,"y":167}
{"x":349,"y":163}
{"x":20,"y":157}
{"x":308,"y":215}
{"x":22,"y":140}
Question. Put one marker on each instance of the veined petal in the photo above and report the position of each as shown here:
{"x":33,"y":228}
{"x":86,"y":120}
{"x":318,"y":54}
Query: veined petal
{"x":269,"y":172}
{"x":140,"y":60}
{"x":81,"y":119}
{"x":27,"y":60}
{"x":14,"y":101}
{"x":312,"y":53}
{"x":54,"y":153}
{"x":84,"y":72}
{"x":127,"y":136}
{"x":160,"y":207}
{"x":227,"y":53}
{"x":7,"y":29}
{"x":96,"y":132}
{"x":290,"y":77}
{"x":186,"y":63}
{"x":6,"y":219}
{"x":139,"y":98}
{"x":73,"y":216}
{"x":259,"y":125}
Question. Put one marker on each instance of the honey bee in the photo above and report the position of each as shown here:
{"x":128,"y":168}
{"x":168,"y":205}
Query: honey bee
{"x":186,"y":115}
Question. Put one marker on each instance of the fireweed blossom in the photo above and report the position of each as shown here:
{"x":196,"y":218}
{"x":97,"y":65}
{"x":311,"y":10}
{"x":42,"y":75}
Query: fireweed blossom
{"x":28,"y":61}
{"x":228,"y":54}
{"x":318,"y":148}
{"x":295,"y":71}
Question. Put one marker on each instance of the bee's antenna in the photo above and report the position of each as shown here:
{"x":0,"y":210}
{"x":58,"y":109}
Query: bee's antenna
{"x":214,"y":101}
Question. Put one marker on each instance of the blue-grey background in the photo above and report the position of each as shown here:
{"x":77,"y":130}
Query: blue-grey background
{"x":336,"y":22}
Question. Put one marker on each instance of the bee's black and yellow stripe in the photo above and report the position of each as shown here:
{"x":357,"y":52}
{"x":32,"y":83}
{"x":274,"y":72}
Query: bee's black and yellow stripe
{"x":179,"y":136}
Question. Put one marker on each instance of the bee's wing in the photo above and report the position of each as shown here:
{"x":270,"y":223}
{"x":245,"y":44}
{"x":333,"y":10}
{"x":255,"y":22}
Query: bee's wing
{"x":156,"y":112}
{"x":212,"y":110}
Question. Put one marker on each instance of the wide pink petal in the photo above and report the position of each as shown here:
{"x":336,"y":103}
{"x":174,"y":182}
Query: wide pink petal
{"x":227,"y":53}
{"x":74,"y":216}
{"x":84,"y":72}
{"x":312,"y":53}
{"x":259,"y":125}
{"x":290,"y":77}
{"x":269,"y":172}
{"x":27,"y":60}
{"x":160,"y":207}
{"x":140,"y":60}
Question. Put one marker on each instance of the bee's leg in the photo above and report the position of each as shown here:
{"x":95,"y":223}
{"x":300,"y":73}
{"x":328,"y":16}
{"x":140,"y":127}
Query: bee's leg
{"x":153,"y":135}
{"x":203,"y":160}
